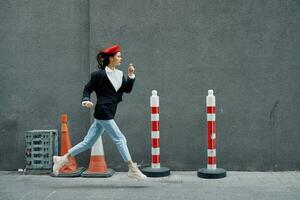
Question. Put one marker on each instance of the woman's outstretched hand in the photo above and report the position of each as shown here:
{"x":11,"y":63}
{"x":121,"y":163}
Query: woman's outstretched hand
{"x":87,"y":104}
{"x":130,"y":69}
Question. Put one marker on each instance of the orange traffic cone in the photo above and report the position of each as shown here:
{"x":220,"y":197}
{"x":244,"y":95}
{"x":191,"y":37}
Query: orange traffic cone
{"x":70,"y":169}
{"x":97,"y":166}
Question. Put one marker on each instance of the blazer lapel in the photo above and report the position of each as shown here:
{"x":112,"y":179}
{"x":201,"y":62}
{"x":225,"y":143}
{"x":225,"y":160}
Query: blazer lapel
{"x":123,"y":82}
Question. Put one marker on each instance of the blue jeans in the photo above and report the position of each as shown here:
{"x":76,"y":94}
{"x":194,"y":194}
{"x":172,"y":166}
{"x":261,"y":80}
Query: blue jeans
{"x":96,"y":130}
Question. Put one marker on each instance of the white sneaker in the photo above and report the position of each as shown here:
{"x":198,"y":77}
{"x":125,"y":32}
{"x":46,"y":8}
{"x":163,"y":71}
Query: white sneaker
{"x":135,"y":173}
{"x":59,"y":161}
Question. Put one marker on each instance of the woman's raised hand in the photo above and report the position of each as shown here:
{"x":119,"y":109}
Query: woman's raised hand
{"x":130,"y":69}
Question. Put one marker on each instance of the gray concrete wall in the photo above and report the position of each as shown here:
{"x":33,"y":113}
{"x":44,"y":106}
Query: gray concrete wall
{"x":247,"y":51}
{"x":44,"y":63}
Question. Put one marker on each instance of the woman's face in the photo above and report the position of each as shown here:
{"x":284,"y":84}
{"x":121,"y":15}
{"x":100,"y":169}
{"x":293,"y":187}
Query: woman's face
{"x":116,"y":59}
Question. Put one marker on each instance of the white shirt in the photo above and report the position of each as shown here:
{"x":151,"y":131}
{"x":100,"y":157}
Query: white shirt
{"x":115,"y":77}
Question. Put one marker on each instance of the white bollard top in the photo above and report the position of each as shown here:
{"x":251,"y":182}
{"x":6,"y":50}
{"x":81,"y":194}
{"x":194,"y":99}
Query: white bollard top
{"x":154,"y":92}
{"x":154,"y":99}
{"x":210,"y":98}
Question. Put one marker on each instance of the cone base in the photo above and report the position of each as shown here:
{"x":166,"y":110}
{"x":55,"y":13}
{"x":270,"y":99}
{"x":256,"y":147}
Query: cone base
{"x":211,"y":174}
{"x":156,"y":172}
{"x":75,"y":173}
{"x":106,"y":174}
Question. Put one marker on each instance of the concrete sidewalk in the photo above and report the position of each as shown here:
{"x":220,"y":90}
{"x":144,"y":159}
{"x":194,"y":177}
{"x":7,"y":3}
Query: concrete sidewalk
{"x":180,"y":185}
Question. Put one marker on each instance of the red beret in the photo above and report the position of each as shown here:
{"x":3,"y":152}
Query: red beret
{"x":112,"y":50}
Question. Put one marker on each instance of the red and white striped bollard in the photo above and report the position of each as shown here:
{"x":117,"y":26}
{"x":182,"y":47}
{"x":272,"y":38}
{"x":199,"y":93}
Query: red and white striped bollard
{"x":211,"y":171}
{"x":155,"y":141}
{"x":155,"y":170}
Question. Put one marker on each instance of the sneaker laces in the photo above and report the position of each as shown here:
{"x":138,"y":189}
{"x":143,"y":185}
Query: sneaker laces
{"x":135,"y":167}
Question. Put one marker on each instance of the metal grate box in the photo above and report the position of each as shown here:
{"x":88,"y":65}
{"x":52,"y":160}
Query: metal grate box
{"x":40,"y":146}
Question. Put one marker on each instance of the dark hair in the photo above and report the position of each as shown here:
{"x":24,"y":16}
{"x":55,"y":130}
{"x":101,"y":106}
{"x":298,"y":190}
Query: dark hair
{"x":103,"y":59}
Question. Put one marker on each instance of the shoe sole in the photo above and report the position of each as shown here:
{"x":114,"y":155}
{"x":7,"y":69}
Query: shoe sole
{"x":137,"y":178}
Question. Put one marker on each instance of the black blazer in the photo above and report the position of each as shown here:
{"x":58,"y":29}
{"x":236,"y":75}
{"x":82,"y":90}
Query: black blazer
{"x":107,"y":97}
